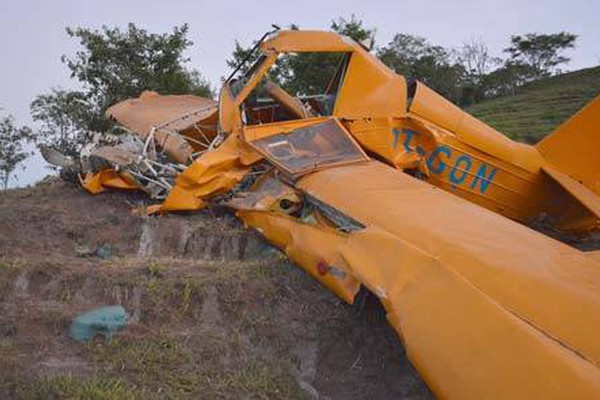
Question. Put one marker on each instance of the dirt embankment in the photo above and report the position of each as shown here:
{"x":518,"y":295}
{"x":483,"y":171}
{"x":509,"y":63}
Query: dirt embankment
{"x":214,"y":312}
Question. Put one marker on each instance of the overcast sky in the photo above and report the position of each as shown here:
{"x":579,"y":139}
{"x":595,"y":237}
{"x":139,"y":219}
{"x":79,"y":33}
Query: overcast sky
{"x":32,"y":32}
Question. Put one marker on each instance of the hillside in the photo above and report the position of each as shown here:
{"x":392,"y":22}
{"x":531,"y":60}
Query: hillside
{"x":538,"y":108}
{"x":214,"y":311}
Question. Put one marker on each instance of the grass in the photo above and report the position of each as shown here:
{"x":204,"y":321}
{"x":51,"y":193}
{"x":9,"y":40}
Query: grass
{"x":264,"y":381}
{"x":539,"y":108}
{"x":193,"y":360}
{"x":70,"y":387}
{"x":176,"y":368}
{"x":9,"y":269}
{"x":156,"y":270}
{"x":147,"y":357}
{"x":8,"y":265}
{"x":172,"y":353}
{"x":6,"y":344}
{"x":175,"y":350}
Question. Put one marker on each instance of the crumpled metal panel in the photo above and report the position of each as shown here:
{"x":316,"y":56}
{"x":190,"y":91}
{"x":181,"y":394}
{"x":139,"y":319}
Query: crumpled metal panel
{"x":477,"y":322}
{"x":140,"y":115}
{"x":98,"y":182}
{"x":166,"y":117}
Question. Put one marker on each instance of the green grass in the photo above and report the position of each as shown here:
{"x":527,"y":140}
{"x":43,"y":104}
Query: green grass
{"x":540,"y":107}
{"x":263,"y":381}
{"x":70,"y":387}
{"x":174,"y":368}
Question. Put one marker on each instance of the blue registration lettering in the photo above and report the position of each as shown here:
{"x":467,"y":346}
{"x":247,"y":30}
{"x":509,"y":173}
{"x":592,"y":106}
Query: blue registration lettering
{"x":461,"y":168}
{"x":485,"y":180}
{"x":396,"y":134}
{"x":459,"y":179}
{"x":432,"y":157}
{"x":409,"y":135}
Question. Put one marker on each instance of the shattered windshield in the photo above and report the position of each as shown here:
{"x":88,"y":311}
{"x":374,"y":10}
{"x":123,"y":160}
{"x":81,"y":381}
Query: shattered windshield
{"x":310,"y":148}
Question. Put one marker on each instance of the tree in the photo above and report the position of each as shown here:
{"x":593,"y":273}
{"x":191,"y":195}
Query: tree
{"x":477,"y":62}
{"x":505,"y":81}
{"x":542,"y":53}
{"x":242,"y":56}
{"x":416,"y":59}
{"x":474,"y":56}
{"x":354,"y":29}
{"x":113,"y":65}
{"x":12,"y":153}
{"x":67,"y":120}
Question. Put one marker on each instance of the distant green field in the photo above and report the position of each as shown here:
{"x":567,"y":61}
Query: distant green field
{"x":538,"y":108}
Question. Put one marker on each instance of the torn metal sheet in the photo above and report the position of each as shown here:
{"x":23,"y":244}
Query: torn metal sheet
{"x":116,"y":156}
{"x":177,"y":123}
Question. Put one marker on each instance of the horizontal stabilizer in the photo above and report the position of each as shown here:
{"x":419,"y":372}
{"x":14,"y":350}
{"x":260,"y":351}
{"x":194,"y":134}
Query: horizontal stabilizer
{"x":585,"y":196}
{"x":573,"y":147}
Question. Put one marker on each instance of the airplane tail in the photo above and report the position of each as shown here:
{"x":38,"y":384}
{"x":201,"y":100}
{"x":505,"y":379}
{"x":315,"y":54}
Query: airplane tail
{"x":574,"y":147}
{"x":572,"y":153}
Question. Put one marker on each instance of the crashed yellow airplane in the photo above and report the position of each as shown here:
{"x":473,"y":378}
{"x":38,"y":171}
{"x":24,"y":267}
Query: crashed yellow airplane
{"x":384,"y":184}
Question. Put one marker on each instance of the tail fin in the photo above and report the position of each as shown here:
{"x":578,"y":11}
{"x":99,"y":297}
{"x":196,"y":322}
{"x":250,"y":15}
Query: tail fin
{"x":574,"y":147}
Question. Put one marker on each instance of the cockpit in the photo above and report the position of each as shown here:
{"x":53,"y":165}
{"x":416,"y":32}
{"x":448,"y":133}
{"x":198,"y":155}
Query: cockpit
{"x":277,"y":98}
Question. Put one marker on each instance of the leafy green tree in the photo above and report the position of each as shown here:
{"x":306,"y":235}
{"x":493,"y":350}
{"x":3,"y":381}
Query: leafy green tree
{"x":542,"y":53}
{"x":531,"y":57}
{"x":415,"y":58}
{"x":66,"y":120}
{"x":113,"y":65}
{"x":243,"y":56}
{"x":12,"y":151}
{"x":505,"y":80}
{"x":354,"y":29}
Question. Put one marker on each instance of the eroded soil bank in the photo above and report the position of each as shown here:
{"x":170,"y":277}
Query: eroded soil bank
{"x":214,"y":312}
